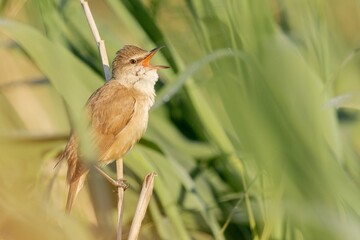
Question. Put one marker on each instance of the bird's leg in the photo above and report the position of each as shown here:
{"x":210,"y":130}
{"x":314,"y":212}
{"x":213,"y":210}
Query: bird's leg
{"x":120,"y":183}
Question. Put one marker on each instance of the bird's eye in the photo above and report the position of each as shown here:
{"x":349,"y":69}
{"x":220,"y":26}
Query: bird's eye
{"x":133,"y":61}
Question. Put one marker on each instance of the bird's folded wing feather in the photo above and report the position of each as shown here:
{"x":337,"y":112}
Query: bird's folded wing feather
{"x":110,"y":109}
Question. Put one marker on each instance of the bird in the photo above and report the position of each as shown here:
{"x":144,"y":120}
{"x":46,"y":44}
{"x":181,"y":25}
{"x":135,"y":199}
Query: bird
{"x":117,"y":114}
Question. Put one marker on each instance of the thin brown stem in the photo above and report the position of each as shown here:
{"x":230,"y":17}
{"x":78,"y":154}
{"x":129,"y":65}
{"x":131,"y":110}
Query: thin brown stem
{"x":99,"y":42}
{"x":120,"y":175}
{"x":105,"y":62}
{"x":143,"y":203}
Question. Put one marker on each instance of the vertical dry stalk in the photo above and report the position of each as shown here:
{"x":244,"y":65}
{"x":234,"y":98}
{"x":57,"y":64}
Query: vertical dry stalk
{"x":105,"y":62}
{"x":120,"y":175}
{"x":144,"y":199}
{"x":100,"y":43}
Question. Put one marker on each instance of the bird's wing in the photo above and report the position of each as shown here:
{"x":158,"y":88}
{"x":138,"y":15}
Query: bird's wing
{"x":110,"y":109}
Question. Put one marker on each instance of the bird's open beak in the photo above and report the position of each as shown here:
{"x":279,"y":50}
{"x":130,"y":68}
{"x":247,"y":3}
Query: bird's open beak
{"x":146,"y":61}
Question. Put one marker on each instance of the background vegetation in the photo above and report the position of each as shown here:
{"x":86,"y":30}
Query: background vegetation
{"x":245,"y":135}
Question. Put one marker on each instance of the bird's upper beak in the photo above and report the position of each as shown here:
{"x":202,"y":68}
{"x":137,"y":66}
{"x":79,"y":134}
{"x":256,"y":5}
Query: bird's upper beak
{"x":146,"y":61}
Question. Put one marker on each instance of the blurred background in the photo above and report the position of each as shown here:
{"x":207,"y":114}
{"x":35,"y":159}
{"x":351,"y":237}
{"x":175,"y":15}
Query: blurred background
{"x":255,"y":133}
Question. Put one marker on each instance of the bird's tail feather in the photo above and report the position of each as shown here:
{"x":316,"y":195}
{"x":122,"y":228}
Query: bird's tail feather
{"x":74,"y":188}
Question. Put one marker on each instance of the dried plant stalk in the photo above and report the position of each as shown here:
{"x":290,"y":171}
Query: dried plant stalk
{"x":100,"y":43}
{"x":120,"y":175}
{"x":144,"y":199}
{"x":105,"y":62}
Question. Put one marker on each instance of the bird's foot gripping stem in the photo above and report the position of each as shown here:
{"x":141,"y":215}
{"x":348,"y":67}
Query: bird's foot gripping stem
{"x":119,"y":183}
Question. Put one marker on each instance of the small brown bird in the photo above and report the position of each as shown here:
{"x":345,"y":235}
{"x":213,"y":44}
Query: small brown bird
{"x":118,"y":114}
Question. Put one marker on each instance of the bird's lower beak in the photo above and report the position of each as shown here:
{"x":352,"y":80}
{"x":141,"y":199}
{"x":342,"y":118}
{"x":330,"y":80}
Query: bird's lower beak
{"x":146,"y":61}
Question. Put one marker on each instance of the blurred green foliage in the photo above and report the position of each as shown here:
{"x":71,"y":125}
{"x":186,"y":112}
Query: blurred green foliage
{"x":251,"y":136}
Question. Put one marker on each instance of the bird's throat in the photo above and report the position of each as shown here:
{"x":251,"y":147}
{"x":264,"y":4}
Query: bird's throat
{"x":142,"y":81}
{"x":145,"y":81}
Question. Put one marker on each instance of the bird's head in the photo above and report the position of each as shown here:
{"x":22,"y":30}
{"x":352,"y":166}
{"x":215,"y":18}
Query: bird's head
{"x":132,"y":65}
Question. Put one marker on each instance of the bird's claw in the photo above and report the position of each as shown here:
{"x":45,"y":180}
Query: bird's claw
{"x":121,"y":183}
